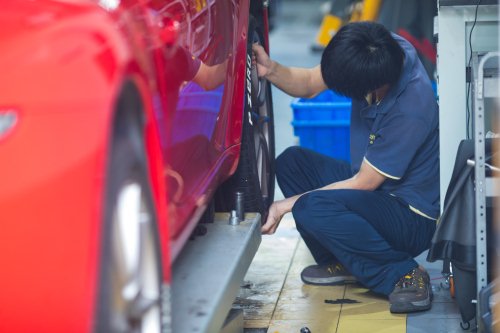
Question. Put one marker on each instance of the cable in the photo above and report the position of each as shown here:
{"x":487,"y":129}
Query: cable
{"x":467,"y":96}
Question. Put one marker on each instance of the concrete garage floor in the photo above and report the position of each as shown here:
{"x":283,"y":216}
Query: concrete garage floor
{"x":274,"y":299}
{"x":272,"y":296}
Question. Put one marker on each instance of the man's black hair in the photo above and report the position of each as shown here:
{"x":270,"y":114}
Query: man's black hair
{"x":361,"y":57}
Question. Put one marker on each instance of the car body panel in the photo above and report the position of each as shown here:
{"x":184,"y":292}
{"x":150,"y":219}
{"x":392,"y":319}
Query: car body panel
{"x":63,"y":66}
{"x":53,"y":161}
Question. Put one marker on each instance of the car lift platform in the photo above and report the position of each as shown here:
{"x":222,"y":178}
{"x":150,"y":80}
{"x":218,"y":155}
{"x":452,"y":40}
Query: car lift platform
{"x":208,"y":273}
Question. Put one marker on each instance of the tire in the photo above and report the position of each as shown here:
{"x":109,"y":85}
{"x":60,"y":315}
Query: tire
{"x":255,"y":173}
{"x":209,"y":214}
{"x":131,"y":274}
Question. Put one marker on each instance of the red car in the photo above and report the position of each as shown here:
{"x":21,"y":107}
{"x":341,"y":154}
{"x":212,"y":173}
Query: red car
{"x":121,"y":124}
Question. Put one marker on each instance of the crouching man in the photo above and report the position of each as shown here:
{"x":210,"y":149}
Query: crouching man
{"x":365,"y":220}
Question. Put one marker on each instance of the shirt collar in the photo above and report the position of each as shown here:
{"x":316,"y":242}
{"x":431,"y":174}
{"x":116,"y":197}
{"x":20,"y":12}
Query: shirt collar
{"x":371,"y":111}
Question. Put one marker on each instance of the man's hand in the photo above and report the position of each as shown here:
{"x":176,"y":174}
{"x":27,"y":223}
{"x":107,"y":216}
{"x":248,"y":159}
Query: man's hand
{"x":273,"y":219}
{"x":276,"y":212}
{"x":295,"y":81}
{"x":262,"y":60}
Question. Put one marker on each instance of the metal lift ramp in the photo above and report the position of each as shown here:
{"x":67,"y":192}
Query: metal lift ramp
{"x":208,"y":273}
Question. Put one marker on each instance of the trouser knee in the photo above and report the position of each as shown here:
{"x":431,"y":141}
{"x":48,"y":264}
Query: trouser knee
{"x":286,"y":160}
{"x":307,"y":211}
{"x":299,"y":211}
{"x":304,"y":213}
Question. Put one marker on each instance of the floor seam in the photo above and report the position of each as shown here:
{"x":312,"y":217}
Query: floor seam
{"x":340,"y":312}
{"x":284,"y":281}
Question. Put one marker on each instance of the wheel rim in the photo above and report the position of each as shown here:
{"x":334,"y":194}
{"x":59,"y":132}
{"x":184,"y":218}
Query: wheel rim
{"x":261,"y":118}
{"x":135,"y":303}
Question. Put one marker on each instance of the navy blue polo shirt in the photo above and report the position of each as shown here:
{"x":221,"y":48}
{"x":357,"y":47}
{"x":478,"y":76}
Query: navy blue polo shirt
{"x":399,"y":137}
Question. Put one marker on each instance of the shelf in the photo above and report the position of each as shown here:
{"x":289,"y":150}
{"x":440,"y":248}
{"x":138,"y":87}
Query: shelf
{"x":443,"y":3}
{"x":485,"y":85}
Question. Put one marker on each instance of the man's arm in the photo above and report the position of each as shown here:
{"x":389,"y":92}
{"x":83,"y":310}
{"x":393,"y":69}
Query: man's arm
{"x":295,"y":81}
{"x":367,"y":179}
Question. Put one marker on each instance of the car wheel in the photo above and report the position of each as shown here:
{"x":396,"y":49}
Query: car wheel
{"x":129,"y":299}
{"x":255,"y":174}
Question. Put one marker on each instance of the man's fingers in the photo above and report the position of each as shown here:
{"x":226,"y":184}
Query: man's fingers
{"x":261,"y":59}
{"x":256,"y":47}
{"x":266,"y":228}
{"x":273,"y":220}
{"x":266,"y":231}
{"x":258,"y":50}
{"x":269,"y":227}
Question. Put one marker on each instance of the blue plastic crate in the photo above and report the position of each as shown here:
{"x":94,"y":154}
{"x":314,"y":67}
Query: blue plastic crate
{"x":322,"y":124}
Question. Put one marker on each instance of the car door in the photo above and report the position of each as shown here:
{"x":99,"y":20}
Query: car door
{"x":190,"y":121}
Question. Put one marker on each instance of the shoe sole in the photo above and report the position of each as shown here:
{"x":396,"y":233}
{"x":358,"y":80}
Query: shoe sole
{"x":411,"y":307}
{"x":329,"y":282}
{"x":408,"y":307}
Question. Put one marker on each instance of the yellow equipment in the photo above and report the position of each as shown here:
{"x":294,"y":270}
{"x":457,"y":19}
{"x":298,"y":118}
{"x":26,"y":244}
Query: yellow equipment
{"x":342,"y":12}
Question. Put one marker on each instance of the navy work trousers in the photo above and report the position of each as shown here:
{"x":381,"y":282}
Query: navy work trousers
{"x":372,"y":233}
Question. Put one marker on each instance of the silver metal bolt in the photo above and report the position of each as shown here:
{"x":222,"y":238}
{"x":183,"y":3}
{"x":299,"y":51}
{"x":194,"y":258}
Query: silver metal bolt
{"x":233,"y":219}
{"x":240,"y":205}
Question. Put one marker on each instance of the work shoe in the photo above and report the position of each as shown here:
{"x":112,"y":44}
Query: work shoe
{"x":326,"y":275}
{"x":412,"y":293}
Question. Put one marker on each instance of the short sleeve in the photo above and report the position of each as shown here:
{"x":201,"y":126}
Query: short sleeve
{"x":394,"y":144}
